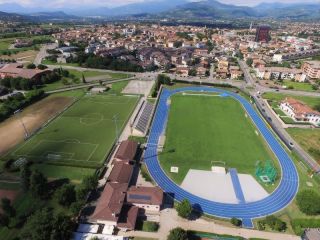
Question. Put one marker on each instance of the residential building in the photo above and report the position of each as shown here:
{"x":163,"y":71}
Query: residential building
{"x":300,"y":112}
{"x":311,"y":69}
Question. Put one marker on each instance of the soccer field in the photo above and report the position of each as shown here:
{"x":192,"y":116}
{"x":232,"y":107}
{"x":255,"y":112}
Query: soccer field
{"x":83,"y":135}
{"x":203,"y":129}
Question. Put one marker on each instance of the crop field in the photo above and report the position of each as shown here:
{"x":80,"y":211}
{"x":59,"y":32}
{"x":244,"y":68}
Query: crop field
{"x":83,"y":135}
{"x":208,"y":128}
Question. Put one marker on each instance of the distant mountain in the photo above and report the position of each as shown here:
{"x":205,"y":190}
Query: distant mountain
{"x":291,"y":11}
{"x":59,"y":15}
{"x":212,"y":9}
{"x":150,"y":7}
{"x":4,"y":16}
{"x":209,"y":9}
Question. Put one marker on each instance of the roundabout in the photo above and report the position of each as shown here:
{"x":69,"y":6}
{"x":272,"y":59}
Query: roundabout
{"x":276,"y":201}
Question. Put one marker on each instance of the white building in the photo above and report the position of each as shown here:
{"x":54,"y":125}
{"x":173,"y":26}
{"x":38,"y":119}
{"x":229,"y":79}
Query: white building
{"x":300,"y":112}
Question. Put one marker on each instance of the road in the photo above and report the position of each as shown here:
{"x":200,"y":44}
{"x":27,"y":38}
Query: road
{"x":43,"y":52}
{"x":275,"y":121}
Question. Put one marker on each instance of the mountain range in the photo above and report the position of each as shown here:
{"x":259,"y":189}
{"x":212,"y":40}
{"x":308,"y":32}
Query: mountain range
{"x":173,"y":9}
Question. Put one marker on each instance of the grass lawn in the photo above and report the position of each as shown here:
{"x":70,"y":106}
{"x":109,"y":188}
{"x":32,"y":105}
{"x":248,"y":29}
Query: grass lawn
{"x":5,"y":43}
{"x":77,"y":79}
{"x":75,"y":174}
{"x":83,"y":135}
{"x":217,"y":131}
{"x":48,"y":62}
{"x":298,"y":86}
{"x":278,"y":97}
{"x":308,"y":139}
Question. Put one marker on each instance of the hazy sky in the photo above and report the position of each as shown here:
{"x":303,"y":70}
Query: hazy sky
{"x":71,"y":3}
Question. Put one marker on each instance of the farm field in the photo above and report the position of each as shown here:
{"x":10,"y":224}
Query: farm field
{"x":27,"y":56}
{"x":202,"y":129}
{"x":83,"y":135}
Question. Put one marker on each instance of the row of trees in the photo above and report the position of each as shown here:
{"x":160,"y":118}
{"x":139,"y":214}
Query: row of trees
{"x":111,"y":63}
{"x":162,"y":79}
{"x":17,"y":101}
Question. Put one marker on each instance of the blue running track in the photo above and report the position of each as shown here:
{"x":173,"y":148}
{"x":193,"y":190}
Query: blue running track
{"x":276,"y":201}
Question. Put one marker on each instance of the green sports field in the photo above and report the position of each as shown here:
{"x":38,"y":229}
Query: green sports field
{"x":83,"y":135}
{"x":202,"y":129}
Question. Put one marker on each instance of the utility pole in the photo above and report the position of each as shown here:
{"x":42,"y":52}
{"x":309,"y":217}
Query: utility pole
{"x":115,"y":120}
{"x":17,"y":112}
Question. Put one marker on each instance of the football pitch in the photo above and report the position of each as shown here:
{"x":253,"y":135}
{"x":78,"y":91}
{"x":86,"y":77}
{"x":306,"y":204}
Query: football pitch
{"x":83,"y":135}
{"x":203,"y":130}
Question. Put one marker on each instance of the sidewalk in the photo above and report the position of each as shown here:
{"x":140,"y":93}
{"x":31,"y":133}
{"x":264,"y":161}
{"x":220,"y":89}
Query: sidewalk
{"x":170,"y":220}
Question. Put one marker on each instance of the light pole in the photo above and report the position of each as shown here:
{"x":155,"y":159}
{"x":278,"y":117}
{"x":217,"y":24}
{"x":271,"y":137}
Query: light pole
{"x":115,"y":119}
{"x":17,"y":112}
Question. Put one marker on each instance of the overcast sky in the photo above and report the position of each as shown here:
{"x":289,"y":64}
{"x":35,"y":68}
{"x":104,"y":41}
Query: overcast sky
{"x":71,"y":3}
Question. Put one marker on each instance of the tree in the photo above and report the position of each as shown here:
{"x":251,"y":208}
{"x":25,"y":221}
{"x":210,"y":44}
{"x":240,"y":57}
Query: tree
{"x":25,"y":174}
{"x":7,"y":207}
{"x":249,"y":61}
{"x":192,"y":72}
{"x":42,"y":67}
{"x":31,"y":66}
{"x":38,"y":184}
{"x":317,"y":107}
{"x":177,"y":234}
{"x":66,"y":195}
{"x":236,"y":222}
{"x":4,"y":220}
{"x":309,"y":202}
{"x":38,"y":226}
{"x":62,"y":228}
{"x":75,"y":207}
{"x":184,"y":208}
{"x":90,"y":182}
{"x":275,"y":223}
{"x":83,"y":79}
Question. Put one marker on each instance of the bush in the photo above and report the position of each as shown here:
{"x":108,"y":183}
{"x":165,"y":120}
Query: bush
{"x":31,"y":66}
{"x":177,"y":234}
{"x":184,"y":208}
{"x":236,"y":222}
{"x":66,"y":195}
{"x":275,"y":223}
{"x":42,"y":67}
{"x":299,"y":225}
{"x":309,"y":202}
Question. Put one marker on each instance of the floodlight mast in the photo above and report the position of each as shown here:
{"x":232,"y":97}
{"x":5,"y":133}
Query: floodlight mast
{"x":17,"y":113}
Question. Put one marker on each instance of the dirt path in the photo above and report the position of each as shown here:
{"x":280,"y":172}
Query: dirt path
{"x":34,"y":116}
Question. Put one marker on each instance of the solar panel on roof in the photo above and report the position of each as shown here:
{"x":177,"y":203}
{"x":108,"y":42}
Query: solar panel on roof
{"x":139,"y":197}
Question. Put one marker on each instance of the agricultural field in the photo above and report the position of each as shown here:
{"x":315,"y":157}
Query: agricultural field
{"x":27,"y":56}
{"x":217,"y":131}
{"x":83,"y":135}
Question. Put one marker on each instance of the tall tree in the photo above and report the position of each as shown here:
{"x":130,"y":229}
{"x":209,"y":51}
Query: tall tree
{"x":177,"y":234}
{"x":25,"y":174}
{"x":184,"y":208}
{"x":7,"y":207}
{"x":38,"y":184}
{"x":66,"y":195}
{"x":83,"y":79}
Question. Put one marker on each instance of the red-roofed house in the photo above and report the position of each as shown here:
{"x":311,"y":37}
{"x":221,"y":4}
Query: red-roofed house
{"x":300,"y":112}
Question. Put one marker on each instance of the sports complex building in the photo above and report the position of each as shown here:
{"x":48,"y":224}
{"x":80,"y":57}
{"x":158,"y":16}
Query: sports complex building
{"x":243,"y":208}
